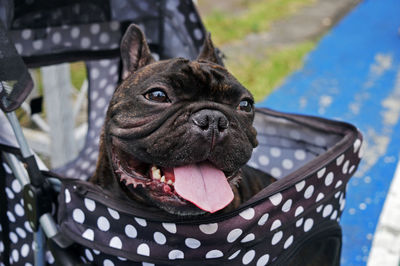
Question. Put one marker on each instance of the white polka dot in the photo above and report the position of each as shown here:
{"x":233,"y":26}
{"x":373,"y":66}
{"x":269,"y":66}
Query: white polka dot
{"x":321,"y":172}
{"x":320,"y":208}
{"x":11,"y":217}
{"x":276,"y":172}
{"x":13,"y":237}
{"x":263,"y":160}
{"x":300,"y":155}
{"x":88,"y":234}
{"x":49,"y":257}
{"x":327,"y":210}
{"x":248,"y":257}
{"x":37,"y":44}
{"x":276,"y":224}
{"x":85,"y":42}
{"x":19,"y":210}
{"x":170,"y":227}
{"x":142,"y":222}
{"x":104,"y":37}
{"x":28,"y":227}
{"x":308,"y":224}
{"x":113,"y":70}
{"x":103,"y":83}
{"x":329,"y":179}
{"x":130,"y":231}
{"x":248,"y":238}
{"x":337,"y":194}
{"x":209,"y":228}
{"x":15,"y":255}
{"x":88,"y":255}
{"x":299,"y":222}
{"x":234,"y":235}
{"x":263,"y":260}
{"x":1,"y":248}
{"x":309,"y":192}
{"x":56,"y":38}
{"x":90,"y":204}
{"x":234,"y":255}
{"x":215,"y":253}
{"x":338,"y":184}
{"x":75,"y":31}
{"x":298,"y":211}
{"x":108,"y":262}
{"x":95,"y":28}
{"x":299,"y":186}
{"x":275,"y":152}
{"x":19,"y":48}
{"x":103,"y":224}
{"x":94,"y":73}
{"x":143,"y":249}
{"x":352,"y":168}
{"x":115,"y":242}
{"x":287,"y":205}
{"x":288,"y":242}
{"x":78,"y":216}
{"x":263,"y":219}
{"x":320,"y":196}
{"x":356,"y":145}
{"x":24,"y":250}
{"x":21,"y":232}
{"x":276,"y":238}
{"x":287,"y":164}
{"x":105,"y":62}
{"x":9,"y":193}
{"x":334,"y":215}
{"x":192,"y":243}
{"x":176,"y":254}
{"x":16,"y":186}
{"x":345,"y":167}
{"x":114,"y":214}
{"x":109,"y":89}
{"x":26,"y":34}
{"x":247,"y":214}
{"x":295,"y":134}
{"x":160,"y":238}
{"x":67,"y":196}
{"x":198,"y":34}
{"x":339,"y":160}
{"x":276,"y":199}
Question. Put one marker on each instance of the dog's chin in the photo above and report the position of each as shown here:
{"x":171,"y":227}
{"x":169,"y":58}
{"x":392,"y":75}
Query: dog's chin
{"x":155,"y":184}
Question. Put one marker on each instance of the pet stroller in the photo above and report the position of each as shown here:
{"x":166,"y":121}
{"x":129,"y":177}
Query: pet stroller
{"x":312,"y":158}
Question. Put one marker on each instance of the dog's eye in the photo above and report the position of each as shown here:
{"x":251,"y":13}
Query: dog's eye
{"x":157,"y":96}
{"x":245,"y":105}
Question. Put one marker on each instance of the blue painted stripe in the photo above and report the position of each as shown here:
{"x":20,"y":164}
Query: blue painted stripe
{"x":354,"y":75}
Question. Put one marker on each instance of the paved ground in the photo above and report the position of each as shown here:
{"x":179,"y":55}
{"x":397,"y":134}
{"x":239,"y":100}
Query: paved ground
{"x":308,"y":23}
{"x":354,"y":75}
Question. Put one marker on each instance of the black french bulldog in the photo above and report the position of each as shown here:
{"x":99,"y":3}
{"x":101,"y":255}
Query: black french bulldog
{"x":177,"y":136}
{"x":178,"y":133}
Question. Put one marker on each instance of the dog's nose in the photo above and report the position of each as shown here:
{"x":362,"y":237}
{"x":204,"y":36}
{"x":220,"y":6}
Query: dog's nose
{"x":210,"y":120}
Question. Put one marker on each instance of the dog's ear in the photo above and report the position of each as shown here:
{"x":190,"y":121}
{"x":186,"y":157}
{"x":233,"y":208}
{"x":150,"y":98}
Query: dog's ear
{"x":135,"y":52}
{"x":208,"y":52}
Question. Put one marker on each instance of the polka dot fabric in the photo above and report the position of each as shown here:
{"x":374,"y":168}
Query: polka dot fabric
{"x":264,"y":228}
{"x":103,"y":79}
{"x":20,"y":234}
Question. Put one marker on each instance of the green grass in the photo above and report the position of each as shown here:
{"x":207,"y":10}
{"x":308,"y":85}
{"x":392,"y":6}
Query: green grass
{"x":265,"y":72}
{"x":259,"y":15}
{"x":261,"y":71}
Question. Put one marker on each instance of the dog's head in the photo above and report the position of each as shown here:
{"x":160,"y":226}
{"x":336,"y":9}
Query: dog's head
{"x":177,"y":132}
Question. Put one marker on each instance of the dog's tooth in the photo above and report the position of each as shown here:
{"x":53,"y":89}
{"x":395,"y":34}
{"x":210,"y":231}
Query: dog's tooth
{"x":169,"y":182}
{"x":162,"y":179}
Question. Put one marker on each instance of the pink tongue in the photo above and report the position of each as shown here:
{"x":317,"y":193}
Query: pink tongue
{"x":203,"y":185}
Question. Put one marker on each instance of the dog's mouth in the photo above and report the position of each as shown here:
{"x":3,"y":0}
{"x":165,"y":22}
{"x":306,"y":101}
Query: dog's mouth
{"x":176,"y":189}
